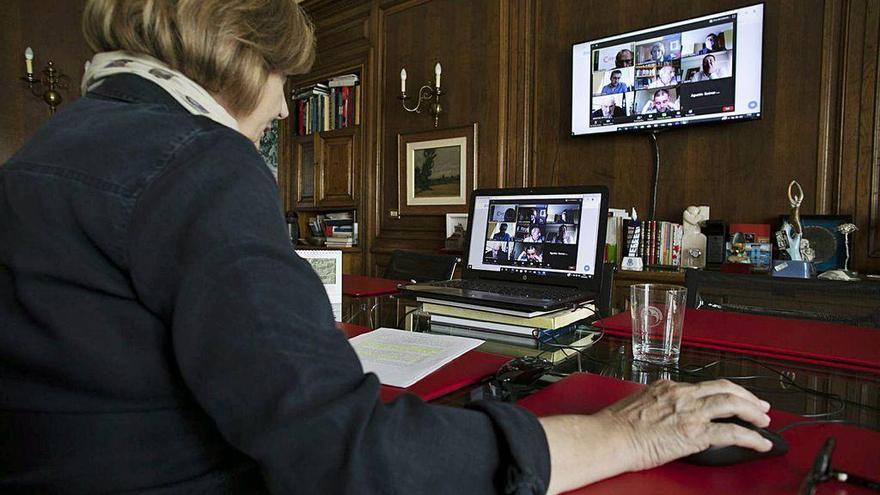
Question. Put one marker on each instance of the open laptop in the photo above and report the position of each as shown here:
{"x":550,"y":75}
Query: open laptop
{"x":529,"y":250}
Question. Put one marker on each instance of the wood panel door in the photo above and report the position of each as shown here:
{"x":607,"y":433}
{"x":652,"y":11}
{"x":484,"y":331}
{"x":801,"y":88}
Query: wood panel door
{"x":336,"y":171}
{"x":304,"y":166}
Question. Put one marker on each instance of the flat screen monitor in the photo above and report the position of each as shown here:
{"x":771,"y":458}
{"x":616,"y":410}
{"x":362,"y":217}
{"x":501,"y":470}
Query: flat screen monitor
{"x":700,"y":70}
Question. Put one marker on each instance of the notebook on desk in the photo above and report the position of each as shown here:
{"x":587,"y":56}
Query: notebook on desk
{"x":530,"y":249}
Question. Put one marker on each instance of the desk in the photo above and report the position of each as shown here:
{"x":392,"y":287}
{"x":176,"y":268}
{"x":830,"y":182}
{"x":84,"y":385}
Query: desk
{"x":856,"y":450}
{"x":363,"y":293}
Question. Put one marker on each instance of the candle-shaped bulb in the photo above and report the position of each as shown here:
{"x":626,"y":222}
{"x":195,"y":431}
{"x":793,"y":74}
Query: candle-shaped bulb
{"x":29,"y":60}
{"x":403,"y":80}
{"x":437,"y":71}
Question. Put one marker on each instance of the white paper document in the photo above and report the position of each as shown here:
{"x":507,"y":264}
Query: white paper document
{"x":401,"y":358}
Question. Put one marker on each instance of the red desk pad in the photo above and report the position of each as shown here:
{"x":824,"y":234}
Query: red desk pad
{"x":466,"y":370}
{"x":856,"y":452}
{"x":828,"y":344}
{"x":360,"y":286}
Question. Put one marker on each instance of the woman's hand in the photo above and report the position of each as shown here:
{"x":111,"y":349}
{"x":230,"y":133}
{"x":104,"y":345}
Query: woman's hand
{"x":663,"y":422}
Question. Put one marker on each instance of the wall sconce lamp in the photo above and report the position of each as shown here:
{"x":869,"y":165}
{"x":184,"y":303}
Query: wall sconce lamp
{"x":426,"y":93}
{"x":48,"y":86}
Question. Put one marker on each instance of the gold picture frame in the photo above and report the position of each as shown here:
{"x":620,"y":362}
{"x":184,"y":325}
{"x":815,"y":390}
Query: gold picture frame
{"x":437,"y":170}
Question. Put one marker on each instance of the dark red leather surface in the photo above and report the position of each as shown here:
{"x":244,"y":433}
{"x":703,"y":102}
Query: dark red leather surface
{"x":361,"y":286}
{"x":465,"y":371}
{"x":857,"y":451}
{"x":828,"y":344}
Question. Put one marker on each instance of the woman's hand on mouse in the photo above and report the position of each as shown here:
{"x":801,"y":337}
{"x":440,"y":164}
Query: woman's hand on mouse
{"x":669,"y":420}
{"x":661,"y":423}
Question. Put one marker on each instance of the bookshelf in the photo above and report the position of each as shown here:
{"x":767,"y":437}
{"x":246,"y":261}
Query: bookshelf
{"x":322,"y":140}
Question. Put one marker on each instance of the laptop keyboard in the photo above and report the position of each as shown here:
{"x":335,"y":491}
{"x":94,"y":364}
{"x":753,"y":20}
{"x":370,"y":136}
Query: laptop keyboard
{"x":515,"y":290}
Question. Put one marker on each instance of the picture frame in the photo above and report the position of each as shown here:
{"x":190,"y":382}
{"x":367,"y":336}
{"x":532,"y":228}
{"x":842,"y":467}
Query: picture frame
{"x":437,"y":170}
{"x":327,"y":264}
{"x":453,"y":219}
{"x":828,"y":244}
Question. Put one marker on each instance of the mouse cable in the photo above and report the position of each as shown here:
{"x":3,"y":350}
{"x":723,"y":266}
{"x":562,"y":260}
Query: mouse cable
{"x":815,"y":422}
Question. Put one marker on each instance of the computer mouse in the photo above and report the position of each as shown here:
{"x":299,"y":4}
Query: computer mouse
{"x":523,"y":370}
{"x":733,"y":454}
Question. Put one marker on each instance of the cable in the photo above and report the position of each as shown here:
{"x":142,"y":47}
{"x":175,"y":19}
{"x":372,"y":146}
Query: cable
{"x":656,"y":176}
{"x":815,"y":422}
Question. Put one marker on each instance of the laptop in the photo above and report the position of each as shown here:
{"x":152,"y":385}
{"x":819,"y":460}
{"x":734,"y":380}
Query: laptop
{"x":529,"y":250}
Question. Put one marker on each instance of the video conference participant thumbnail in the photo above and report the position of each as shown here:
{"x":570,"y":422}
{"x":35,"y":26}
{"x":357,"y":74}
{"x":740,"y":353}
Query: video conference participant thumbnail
{"x":496,"y":252}
{"x":560,"y":233}
{"x":560,"y":256}
{"x":532,"y":213}
{"x":503,"y":212}
{"x":530,"y":233}
{"x":529,"y":254}
{"x":707,"y":67}
{"x":658,"y":101}
{"x":500,"y":231}
{"x":563,"y":213}
{"x":613,"y":81}
{"x":610,"y":106}
{"x":659,"y":50}
{"x":613,"y":57}
{"x":706,"y":40}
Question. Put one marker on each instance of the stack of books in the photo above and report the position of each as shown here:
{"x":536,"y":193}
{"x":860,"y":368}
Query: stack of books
{"x":554,"y":335}
{"x":327,"y":106}
{"x":340,"y":229}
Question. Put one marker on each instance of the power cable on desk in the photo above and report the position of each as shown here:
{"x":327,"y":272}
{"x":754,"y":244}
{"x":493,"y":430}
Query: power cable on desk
{"x":815,"y":422}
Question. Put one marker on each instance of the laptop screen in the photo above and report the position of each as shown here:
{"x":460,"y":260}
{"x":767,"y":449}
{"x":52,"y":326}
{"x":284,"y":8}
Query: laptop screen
{"x":540,"y":235}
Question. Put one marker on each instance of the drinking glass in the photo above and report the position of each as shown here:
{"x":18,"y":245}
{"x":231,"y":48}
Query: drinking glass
{"x":657,"y":312}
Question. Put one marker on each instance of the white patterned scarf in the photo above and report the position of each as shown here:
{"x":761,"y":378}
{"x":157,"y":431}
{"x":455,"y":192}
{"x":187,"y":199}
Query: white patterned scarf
{"x":188,"y":93}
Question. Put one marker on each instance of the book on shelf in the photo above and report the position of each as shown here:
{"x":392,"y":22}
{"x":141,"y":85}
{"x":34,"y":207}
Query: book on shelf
{"x":552,"y":320}
{"x":343,"y":80}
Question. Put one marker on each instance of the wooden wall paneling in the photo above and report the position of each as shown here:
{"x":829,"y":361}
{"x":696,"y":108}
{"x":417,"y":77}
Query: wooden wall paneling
{"x":859,"y":177}
{"x":833,"y":54}
{"x":752,"y":162}
{"x":464,"y":37}
{"x":515,"y":91}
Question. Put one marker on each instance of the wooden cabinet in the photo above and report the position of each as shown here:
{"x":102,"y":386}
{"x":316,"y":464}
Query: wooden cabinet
{"x":325,"y":169}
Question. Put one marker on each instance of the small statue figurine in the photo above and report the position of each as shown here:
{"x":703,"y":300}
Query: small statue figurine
{"x":796,"y":252}
{"x":789,"y":238}
{"x":693,"y":242}
{"x":807,"y":253}
{"x":846,"y":229}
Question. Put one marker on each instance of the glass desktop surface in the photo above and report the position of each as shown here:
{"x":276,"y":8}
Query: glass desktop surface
{"x":774,"y":380}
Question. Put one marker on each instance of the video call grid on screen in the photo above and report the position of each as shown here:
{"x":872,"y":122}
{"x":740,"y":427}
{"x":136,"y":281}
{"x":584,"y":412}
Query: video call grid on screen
{"x":548,"y":234}
{"x":702,"y":69}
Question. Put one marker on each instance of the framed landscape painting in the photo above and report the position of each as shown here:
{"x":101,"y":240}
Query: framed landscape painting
{"x":436,"y":170}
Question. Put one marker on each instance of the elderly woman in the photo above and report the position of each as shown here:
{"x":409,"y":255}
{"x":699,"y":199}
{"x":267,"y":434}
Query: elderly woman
{"x":160,"y":335}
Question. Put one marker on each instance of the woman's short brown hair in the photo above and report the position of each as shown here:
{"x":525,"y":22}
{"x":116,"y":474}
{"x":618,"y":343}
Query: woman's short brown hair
{"x":229,"y":47}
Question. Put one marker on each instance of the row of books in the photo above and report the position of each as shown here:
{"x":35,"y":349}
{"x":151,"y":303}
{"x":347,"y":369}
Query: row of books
{"x":327,"y":106}
{"x":658,"y":243}
{"x":554,"y":335}
{"x":337,"y":229}
{"x":661,"y":243}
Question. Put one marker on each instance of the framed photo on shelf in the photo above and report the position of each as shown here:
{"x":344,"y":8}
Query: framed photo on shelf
{"x":828,"y":244}
{"x":437,"y":170}
{"x":328,"y":265}
{"x":454,"y":220}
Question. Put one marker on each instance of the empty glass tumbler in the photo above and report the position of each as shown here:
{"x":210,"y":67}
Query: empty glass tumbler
{"x":657,"y":313}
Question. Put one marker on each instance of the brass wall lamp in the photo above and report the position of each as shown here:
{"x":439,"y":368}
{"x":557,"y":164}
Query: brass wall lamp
{"x":426,"y":93}
{"x":49,"y":85}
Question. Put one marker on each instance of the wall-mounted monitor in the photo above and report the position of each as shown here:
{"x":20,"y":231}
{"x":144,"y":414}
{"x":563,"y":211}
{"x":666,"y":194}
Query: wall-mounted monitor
{"x":704,"y":69}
